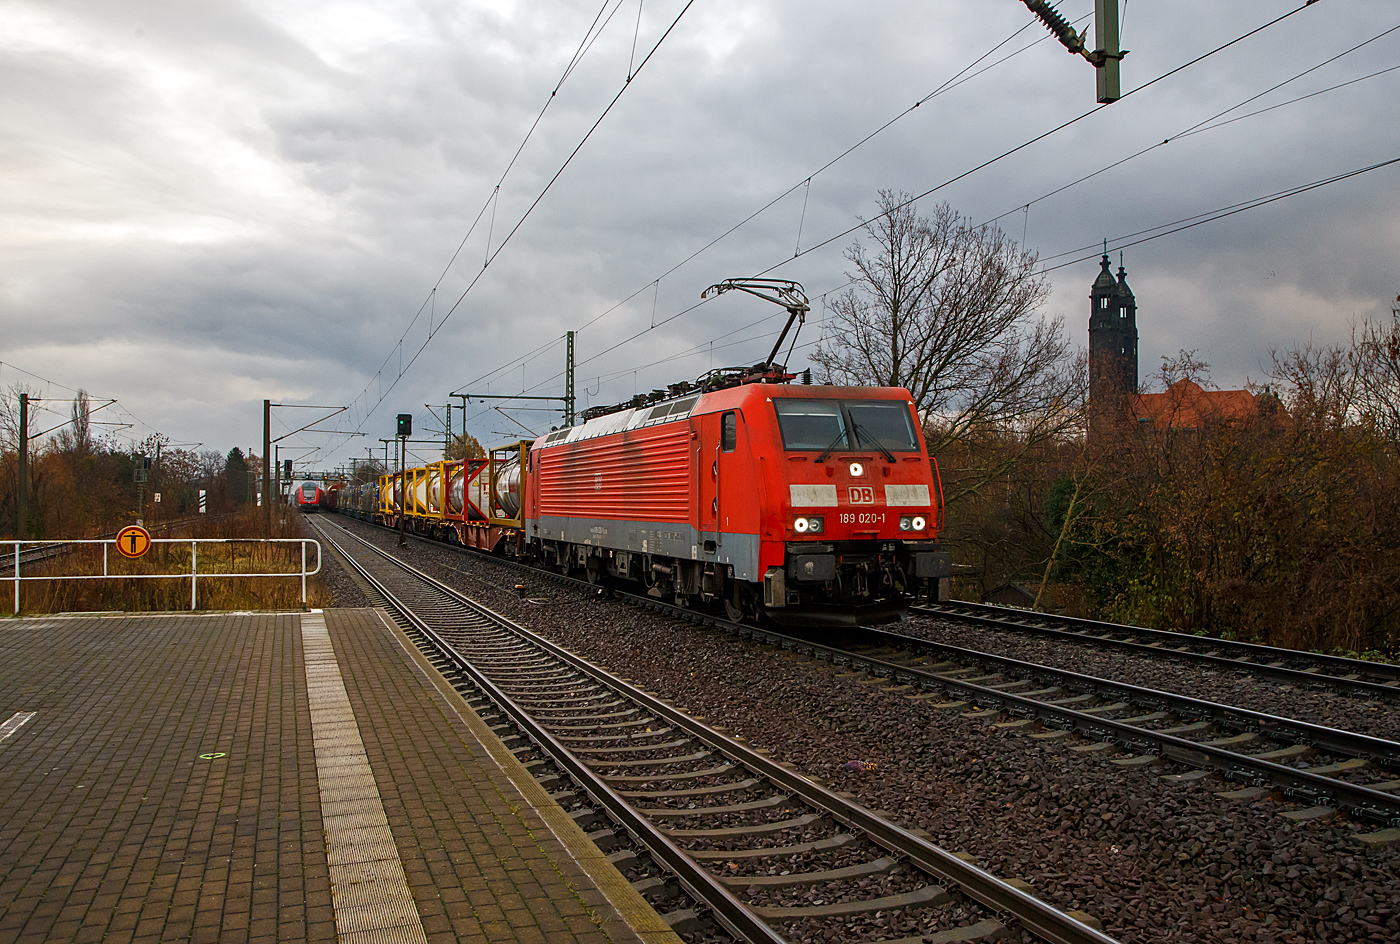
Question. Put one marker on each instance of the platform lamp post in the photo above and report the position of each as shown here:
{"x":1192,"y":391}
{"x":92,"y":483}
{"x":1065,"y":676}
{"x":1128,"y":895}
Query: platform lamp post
{"x":267,"y":467}
{"x":22,"y":492}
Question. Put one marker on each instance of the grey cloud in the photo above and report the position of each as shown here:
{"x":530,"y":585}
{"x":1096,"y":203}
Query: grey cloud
{"x":265,"y":206}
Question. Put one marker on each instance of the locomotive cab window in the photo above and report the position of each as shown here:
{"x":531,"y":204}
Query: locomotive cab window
{"x":830,"y":425}
{"x":811,"y":424}
{"x":729,"y":431}
{"x":883,"y":423}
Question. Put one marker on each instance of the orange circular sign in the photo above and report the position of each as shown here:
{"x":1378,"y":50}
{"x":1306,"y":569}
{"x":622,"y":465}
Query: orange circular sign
{"x":133,"y":541}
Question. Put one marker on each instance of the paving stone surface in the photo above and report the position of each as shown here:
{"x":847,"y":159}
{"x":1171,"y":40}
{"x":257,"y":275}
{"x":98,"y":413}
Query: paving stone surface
{"x":481,"y":861}
{"x":165,"y":789}
{"x":113,"y":827}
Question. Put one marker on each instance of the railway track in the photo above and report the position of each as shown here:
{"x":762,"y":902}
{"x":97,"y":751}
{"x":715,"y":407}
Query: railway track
{"x":1342,"y":770}
{"x":755,"y":845}
{"x":1359,"y":677}
{"x":32,"y":556}
{"x":48,"y":551}
{"x":1357,"y":772}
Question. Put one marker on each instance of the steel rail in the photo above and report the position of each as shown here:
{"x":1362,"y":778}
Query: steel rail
{"x":1371,"y":804}
{"x":1045,"y":624}
{"x":1045,"y":921}
{"x":1277,"y":727}
{"x":700,"y":884}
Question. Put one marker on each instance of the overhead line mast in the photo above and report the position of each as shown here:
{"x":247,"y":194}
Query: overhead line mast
{"x":1105,"y":58}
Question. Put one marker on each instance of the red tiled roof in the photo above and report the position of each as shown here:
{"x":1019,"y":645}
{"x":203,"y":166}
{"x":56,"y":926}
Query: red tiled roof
{"x":1185,"y":405}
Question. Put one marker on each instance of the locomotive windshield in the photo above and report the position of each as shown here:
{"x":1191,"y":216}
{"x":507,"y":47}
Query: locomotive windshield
{"x":829,"y":425}
{"x":811,"y":424}
{"x":883,"y":423}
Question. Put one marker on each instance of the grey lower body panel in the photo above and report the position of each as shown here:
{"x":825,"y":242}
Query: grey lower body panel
{"x":659,"y":539}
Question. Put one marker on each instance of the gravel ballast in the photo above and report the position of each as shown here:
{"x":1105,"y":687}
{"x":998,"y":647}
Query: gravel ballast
{"x":1154,"y":860}
{"x":1315,"y":705}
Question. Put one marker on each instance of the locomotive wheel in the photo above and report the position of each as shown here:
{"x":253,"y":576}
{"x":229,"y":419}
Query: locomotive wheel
{"x":734,"y":600}
{"x":595,"y":572}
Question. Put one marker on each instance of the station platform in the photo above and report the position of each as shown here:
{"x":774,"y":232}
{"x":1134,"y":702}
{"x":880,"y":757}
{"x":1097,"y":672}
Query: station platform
{"x":261,"y":777}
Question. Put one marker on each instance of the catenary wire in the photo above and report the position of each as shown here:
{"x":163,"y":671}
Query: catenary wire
{"x":590,"y":36}
{"x":841,"y":235}
{"x":863,"y":223}
{"x":1040,"y":137}
{"x":531,"y":208}
{"x":1206,"y":123}
{"x":1211,"y":216}
{"x":964,"y":75}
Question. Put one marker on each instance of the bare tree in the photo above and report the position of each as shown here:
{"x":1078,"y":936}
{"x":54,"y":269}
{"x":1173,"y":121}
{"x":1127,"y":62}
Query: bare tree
{"x":948,"y":310}
{"x":9,"y":416}
{"x":78,"y":440}
{"x":1376,"y":348}
{"x":82,"y":423}
{"x":211,"y":463}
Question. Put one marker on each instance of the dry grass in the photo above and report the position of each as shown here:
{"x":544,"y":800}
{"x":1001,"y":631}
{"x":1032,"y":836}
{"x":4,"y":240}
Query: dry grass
{"x":61,"y":595}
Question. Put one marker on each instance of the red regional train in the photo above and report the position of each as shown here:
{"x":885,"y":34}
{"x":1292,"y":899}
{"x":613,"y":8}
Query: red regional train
{"x":809,"y":505}
{"x":307,"y":496}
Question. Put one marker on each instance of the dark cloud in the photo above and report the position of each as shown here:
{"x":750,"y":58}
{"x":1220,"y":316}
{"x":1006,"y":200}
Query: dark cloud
{"x":209,"y":204}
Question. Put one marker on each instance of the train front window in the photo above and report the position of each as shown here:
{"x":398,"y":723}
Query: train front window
{"x":811,"y":424}
{"x":883,"y":423}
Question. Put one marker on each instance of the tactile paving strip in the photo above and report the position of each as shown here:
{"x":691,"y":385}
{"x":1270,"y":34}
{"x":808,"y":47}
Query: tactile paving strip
{"x":368,"y":888}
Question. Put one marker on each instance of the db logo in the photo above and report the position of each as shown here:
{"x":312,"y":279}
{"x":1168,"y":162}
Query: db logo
{"x":862,"y":495}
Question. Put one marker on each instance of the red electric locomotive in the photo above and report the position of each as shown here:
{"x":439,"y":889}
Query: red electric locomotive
{"x":814,"y":505}
{"x":810,"y":505}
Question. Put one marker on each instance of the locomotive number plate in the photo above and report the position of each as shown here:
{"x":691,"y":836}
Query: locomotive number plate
{"x":869,"y":517}
{"x":862,"y":495}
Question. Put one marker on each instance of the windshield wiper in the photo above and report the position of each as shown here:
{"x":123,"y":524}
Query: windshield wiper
{"x":865,"y":434}
{"x":840,"y":438}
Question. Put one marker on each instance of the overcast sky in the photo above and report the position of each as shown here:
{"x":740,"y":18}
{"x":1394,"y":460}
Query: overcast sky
{"x":208,"y":204}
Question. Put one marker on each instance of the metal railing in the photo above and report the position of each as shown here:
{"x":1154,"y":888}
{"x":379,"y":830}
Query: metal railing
{"x":18,"y":550}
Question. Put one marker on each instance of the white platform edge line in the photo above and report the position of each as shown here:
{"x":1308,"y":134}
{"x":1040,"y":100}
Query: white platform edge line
{"x":384,"y":908}
{"x":17,"y":720}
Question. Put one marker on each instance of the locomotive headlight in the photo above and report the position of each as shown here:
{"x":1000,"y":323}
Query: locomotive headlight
{"x":814,"y":525}
{"x":857,"y":470}
{"x":807,"y":525}
{"x":905,"y":523}
{"x":919,"y":523}
{"x":800,"y":526}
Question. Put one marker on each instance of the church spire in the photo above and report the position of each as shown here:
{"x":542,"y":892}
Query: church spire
{"x":1113,"y":338}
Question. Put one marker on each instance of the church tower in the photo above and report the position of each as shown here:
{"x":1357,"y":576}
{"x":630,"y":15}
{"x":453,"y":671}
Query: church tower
{"x":1113,"y":337}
